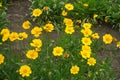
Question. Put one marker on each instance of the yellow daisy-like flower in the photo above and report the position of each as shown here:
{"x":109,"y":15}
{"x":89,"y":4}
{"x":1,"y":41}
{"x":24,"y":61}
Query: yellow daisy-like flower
{"x":25,"y":70}
{"x":5,"y":32}
{"x":85,"y":54}
{"x":36,"y":12}
{"x":68,"y":22}
{"x":5,"y":38}
{"x":36,"y":31}
{"x":32,"y":54}
{"x":86,"y":41}
{"x":85,"y":5}
{"x":22,"y":35}
{"x":95,"y":36}
{"x":87,"y":25}
{"x":118,"y":44}
{"x":107,"y":38}
{"x":26,"y":24}
{"x":74,"y":69}
{"x":69,"y":6}
{"x":58,"y":51}
{"x":13,"y":36}
{"x":1,"y":59}
{"x":36,"y":43}
{"x":69,"y":30}
{"x":0,"y":4}
{"x":95,"y":16}
{"x":86,"y":32}
{"x":91,"y":61}
{"x":48,"y":27}
{"x":86,"y":48}
{"x":64,"y":13}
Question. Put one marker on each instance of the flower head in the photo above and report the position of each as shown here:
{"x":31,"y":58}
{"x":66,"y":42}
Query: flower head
{"x":69,"y":30}
{"x":95,"y":36}
{"x":69,"y":6}
{"x":95,"y":16}
{"x":36,"y":31}
{"x":45,"y":8}
{"x":36,"y":43}
{"x":68,"y":22}
{"x":85,"y":5}
{"x":36,"y":12}
{"x":86,"y":41}
{"x":1,"y":59}
{"x":85,"y":54}
{"x":32,"y":54}
{"x":87,"y":25}
{"x":74,"y":69}
{"x":86,"y":32}
{"x":22,"y":35}
{"x":25,"y":70}
{"x":64,"y":13}
{"x":91,"y":61}
{"x":0,"y":4}
{"x":48,"y":27}
{"x":26,"y":24}
{"x":13,"y":36}
{"x":58,"y":51}
{"x":118,"y":44}
{"x":86,"y":48}
{"x":107,"y":39}
{"x":5,"y":32}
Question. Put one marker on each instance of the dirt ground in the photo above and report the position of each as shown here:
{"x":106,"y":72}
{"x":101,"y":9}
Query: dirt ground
{"x":18,"y":12}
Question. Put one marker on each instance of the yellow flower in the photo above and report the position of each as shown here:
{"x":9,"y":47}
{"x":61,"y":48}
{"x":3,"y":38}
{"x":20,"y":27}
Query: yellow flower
{"x":118,"y":44}
{"x":107,"y":39}
{"x":36,"y":12}
{"x":0,"y":4}
{"x":85,"y":5}
{"x":87,"y":25}
{"x":25,"y":70}
{"x":5,"y":38}
{"x":5,"y":32}
{"x":36,"y":43}
{"x":68,"y":22}
{"x":95,"y":36}
{"x":26,"y":24}
{"x":86,"y":32}
{"x":1,"y":59}
{"x":86,"y":48}
{"x":64,"y":13}
{"x":58,"y":51}
{"x":91,"y":61}
{"x":79,"y":21}
{"x":95,"y":16}
{"x":32,"y":54}
{"x":86,"y":41}
{"x":48,"y":27}
{"x":13,"y":36}
{"x":69,"y":6}
{"x":74,"y":69}
{"x":85,"y":54}
{"x":45,"y":8}
{"x":22,"y":35}
{"x":36,"y":31}
{"x":69,"y":30}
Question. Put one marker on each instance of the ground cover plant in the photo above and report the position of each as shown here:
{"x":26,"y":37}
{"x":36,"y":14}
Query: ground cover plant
{"x":71,"y":55}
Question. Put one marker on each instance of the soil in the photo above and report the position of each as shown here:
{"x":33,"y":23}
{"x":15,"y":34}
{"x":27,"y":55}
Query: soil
{"x":18,"y":12}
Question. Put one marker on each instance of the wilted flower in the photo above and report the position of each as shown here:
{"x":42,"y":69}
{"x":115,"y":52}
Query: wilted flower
{"x":95,"y":16}
{"x":95,"y":36}
{"x":118,"y":44}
